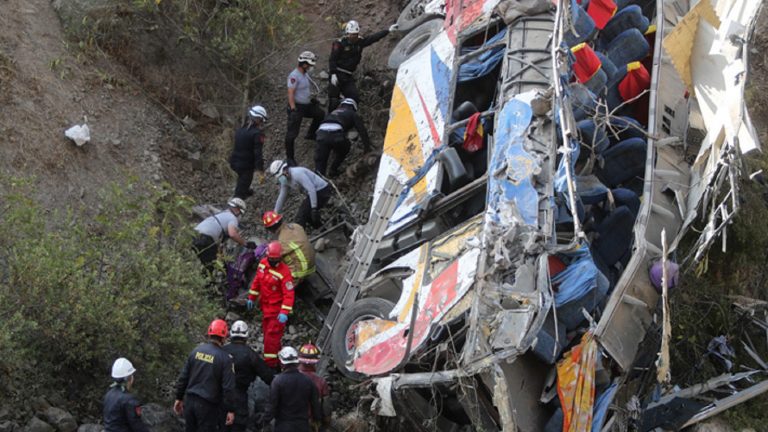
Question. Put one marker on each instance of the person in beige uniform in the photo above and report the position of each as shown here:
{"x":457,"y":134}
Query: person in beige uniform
{"x":298,"y":252}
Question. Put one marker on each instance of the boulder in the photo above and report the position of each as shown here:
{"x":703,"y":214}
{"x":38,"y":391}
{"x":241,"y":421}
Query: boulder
{"x":60,"y":419}
{"x":90,"y":427}
{"x":37,"y":425}
{"x":8,"y":426}
{"x":39,"y":404}
{"x":160,"y":418}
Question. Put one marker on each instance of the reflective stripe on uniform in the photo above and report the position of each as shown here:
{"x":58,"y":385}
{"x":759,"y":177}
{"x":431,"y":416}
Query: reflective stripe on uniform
{"x":270,"y":355}
{"x":252,"y":292}
{"x":262,"y":266}
{"x":304,"y":270}
{"x":288,"y":308}
{"x":275,"y":274}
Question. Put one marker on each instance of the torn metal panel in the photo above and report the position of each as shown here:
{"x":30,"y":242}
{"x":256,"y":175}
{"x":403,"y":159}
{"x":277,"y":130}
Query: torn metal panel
{"x":721,"y":405}
{"x":384,"y":406}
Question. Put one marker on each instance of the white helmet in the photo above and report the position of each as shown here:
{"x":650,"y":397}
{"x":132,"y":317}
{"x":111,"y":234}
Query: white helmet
{"x":276,"y":168}
{"x":288,"y":355}
{"x":239,"y":329}
{"x":349,"y":101}
{"x":352,"y":27}
{"x":258,"y":111}
{"x":237,"y":203}
{"x":122,"y":368}
{"x":308,"y":57}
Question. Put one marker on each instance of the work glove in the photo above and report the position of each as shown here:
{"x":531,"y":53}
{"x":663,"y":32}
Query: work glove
{"x":283,"y":318}
{"x":334,"y":80}
{"x":393,"y":28}
{"x":260,"y":177}
{"x":250,"y":245}
{"x":316,"y":217}
{"x":249,"y":304}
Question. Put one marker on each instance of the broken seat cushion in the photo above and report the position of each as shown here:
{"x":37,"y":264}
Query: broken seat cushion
{"x":623,"y":162}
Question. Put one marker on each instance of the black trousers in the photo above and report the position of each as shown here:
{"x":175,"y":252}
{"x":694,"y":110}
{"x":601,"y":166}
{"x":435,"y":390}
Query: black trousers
{"x":207,"y":250}
{"x":241,"y":412}
{"x":304,"y":215}
{"x":201,"y":415}
{"x":335,"y":142}
{"x":310,"y":110}
{"x":243,"y":186}
{"x":346,"y":87}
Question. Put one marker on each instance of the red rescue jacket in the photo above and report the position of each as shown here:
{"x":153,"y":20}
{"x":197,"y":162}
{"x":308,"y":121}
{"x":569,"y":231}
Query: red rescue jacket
{"x":273,"y":286}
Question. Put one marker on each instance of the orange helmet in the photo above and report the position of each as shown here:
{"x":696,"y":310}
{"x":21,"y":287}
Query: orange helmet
{"x":271,"y":218}
{"x":218,"y":328}
{"x":309,"y":353}
{"x":274,"y":250}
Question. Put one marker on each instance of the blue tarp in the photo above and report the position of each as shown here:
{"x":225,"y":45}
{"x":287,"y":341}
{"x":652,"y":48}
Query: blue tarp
{"x":601,"y":406}
{"x":484,"y":63}
{"x":578,"y":279}
{"x":514,"y":183}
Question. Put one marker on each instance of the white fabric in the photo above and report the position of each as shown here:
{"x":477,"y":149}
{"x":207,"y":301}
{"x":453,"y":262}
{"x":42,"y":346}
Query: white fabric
{"x":213,"y":229}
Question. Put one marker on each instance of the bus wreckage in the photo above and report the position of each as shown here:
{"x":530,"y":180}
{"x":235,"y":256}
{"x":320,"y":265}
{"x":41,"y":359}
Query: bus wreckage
{"x":539,"y":159}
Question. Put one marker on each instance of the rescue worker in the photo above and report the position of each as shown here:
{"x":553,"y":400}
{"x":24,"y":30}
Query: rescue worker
{"x":213,"y":230}
{"x":332,"y":136}
{"x":301,"y":105}
{"x":318,"y":191}
{"x":293,"y":396}
{"x":206,"y":386}
{"x":273,"y":287}
{"x":247,"y":152}
{"x":122,"y":411}
{"x":248,"y":366}
{"x":309,"y":355}
{"x":346,"y":54}
{"x":298,"y":252}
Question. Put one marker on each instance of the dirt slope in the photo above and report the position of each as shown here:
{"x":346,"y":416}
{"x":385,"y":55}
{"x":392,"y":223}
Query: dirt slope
{"x":46,"y":88}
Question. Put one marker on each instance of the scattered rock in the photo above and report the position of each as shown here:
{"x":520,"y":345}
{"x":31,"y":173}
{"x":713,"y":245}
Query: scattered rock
{"x":37,"y":425}
{"x":291,"y":330}
{"x":39,"y":404}
{"x":231,"y":317}
{"x":189,"y":123}
{"x":90,"y":427}
{"x":5,"y":413}
{"x":60,"y":419}
{"x":160,"y":419}
{"x":209,"y":110}
{"x":8,"y":426}
{"x":116,"y":142}
{"x":324,"y":75}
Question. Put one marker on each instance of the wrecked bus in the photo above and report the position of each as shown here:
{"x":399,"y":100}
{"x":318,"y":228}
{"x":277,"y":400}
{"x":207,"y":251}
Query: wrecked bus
{"x":539,"y":159}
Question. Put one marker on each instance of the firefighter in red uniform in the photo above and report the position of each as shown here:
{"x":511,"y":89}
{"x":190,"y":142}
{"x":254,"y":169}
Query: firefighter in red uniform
{"x":273,"y":286}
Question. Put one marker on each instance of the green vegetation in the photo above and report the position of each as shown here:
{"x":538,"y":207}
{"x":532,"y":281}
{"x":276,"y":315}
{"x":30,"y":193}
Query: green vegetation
{"x":118,"y":280}
{"x":701,"y":307}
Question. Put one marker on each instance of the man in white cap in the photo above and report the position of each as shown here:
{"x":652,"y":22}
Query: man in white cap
{"x":122,"y":411}
{"x":214,"y":229}
{"x":246,"y":156}
{"x":301,"y":105}
{"x":293,"y":396}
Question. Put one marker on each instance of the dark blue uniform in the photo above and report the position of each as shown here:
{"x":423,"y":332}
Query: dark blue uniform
{"x":345,"y":56}
{"x":336,"y":140}
{"x":246,"y":157}
{"x":293,"y":398}
{"x":248,"y":366}
{"x":207,"y":386}
{"x":122,"y":412}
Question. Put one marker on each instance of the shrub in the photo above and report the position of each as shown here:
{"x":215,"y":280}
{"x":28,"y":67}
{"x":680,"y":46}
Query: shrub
{"x":119,"y":280}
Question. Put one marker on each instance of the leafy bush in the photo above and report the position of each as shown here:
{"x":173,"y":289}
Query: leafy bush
{"x":119,"y":280}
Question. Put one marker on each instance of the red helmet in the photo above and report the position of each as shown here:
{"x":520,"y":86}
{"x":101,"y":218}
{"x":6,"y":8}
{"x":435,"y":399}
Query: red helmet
{"x":218,"y":328}
{"x":271,"y":218}
{"x":309,"y":353}
{"x":274,"y":250}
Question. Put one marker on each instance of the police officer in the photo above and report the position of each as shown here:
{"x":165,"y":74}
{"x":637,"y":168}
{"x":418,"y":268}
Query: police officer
{"x":298,"y":252}
{"x":309,"y":355}
{"x":206,"y":386}
{"x":216,"y":228}
{"x":122,"y":412}
{"x":247,"y":152}
{"x":300,"y":103}
{"x":332,"y":136}
{"x":293,"y":396}
{"x":345,"y":56}
{"x":273,"y":287}
{"x":248,"y":366}
{"x":318,"y":191}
